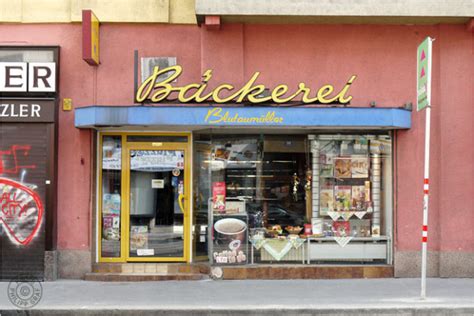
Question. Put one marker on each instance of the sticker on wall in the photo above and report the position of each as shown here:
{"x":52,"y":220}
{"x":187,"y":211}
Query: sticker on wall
{"x":145,"y":252}
{"x":116,"y":222}
{"x":157,"y":183}
{"x":155,"y":160}
{"x":176,"y":172}
{"x":234,"y":244}
{"x":21,"y":211}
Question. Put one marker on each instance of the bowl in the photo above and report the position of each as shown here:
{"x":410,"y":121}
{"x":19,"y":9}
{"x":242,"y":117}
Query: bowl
{"x":294,"y":230}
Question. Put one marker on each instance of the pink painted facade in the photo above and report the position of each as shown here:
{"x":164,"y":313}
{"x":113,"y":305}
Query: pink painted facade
{"x":383,"y":58}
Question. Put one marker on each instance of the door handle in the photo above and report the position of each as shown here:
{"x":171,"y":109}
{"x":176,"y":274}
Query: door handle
{"x":181,"y":198}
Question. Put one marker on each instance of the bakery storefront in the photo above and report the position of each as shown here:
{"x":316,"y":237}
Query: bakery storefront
{"x":244,"y":176}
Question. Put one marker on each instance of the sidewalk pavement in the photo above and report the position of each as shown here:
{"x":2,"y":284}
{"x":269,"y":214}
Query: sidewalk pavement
{"x":256,"y":297}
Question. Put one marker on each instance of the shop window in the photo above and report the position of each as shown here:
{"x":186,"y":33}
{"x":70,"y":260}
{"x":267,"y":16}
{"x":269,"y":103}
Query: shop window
{"x":353,"y":198}
{"x":294,"y":199}
{"x":201,"y":195}
{"x":255,"y":186}
{"x":111,"y":206}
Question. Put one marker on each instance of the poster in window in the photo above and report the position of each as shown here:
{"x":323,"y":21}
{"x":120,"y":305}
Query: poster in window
{"x":111,"y":155}
{"x":375,"y":230}
{"x":358,"y":197}
{"x":110,"y":229}
{"x":218,"y":196}
{"x":230,"y":239}
{"x":343,"y":197}
{"x":111,"y":204}
{"x":327,"y":171}
{"x":341,"y":228}
{"x":367,"y":191}
{"x":326,"y":199}
{"x":156,"y":160}
{"x":360,"y":167}
{"x":342,"y":167}
{"x":138,"y":237}
{"x":361,"y":146}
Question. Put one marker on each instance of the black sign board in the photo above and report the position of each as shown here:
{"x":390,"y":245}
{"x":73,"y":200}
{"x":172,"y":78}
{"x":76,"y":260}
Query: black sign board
{"x":21,"y":110}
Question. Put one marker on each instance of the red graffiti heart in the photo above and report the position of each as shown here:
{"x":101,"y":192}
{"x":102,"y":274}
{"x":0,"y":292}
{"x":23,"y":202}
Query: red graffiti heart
{"x":21,"y":211}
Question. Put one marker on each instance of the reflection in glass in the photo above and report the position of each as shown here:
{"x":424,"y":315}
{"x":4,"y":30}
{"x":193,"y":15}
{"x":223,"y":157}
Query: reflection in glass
{"x":156,"y":209}
{"x":252,"y":184}
{"x":201,"y":195}
{"x":268,"y":172}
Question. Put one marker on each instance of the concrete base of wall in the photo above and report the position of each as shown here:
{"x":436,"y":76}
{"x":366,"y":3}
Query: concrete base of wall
{"x":74,"y":264}
{"x":50,"y":265}
{"x":440,"y":264}
{"x":408,"y":264}
{"x":456,"y":264}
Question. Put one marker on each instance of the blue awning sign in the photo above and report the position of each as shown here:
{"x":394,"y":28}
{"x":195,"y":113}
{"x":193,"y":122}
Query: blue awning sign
{"x":238,"y":116}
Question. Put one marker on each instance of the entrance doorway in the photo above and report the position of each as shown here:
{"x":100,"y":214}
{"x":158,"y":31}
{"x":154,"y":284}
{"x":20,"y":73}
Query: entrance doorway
{"x":157,"y":212}
{"x":144,"y":210}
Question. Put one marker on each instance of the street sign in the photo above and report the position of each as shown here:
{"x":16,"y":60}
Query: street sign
{"x":424,"y":101}
{"x":423,"y":71}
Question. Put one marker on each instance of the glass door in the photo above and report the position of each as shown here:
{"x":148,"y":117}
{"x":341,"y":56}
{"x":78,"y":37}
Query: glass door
{"x":158,"y":217}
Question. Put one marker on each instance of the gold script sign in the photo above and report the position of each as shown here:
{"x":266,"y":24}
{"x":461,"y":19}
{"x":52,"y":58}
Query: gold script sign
{"x":218,"y":115}
{"x":157,"y":91}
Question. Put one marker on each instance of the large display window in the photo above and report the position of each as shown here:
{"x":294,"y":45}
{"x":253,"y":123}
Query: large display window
{"x":293,"y":199}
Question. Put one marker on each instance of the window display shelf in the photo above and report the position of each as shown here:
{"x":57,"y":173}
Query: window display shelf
{"x":366,"y":249}
{"x":279,"y":249}
{"x":329,"y":238}
{"x":354,"y":251}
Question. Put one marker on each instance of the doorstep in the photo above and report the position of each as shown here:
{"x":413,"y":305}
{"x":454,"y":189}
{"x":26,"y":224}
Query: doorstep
{"x":288,"y":272}
{"x":133,"y":272}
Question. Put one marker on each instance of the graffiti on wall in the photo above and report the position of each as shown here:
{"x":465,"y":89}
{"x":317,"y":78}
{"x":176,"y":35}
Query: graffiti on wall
{"x":15,"y":156}
{"x":21,"y":209}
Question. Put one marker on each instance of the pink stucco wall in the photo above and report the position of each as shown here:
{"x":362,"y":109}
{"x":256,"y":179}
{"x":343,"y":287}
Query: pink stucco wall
{"x":383,"y":58}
